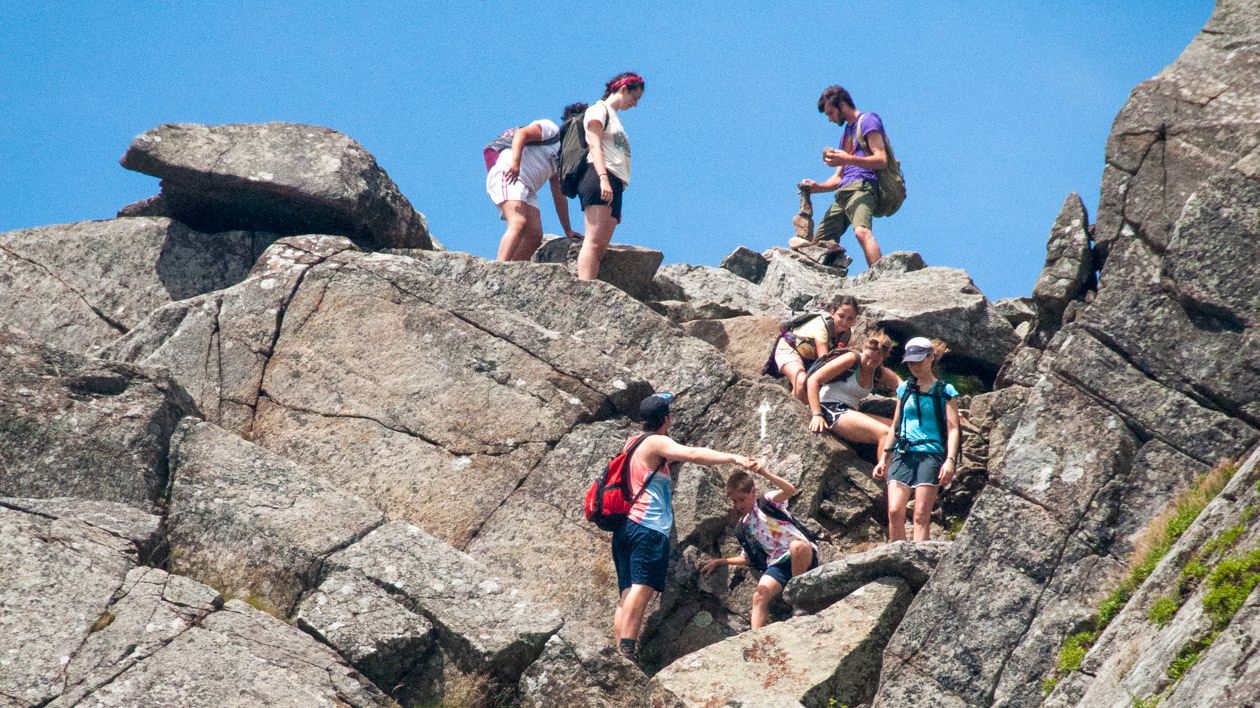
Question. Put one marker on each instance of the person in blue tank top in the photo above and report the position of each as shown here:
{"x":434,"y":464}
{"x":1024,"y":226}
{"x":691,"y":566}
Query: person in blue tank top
{"x":919,"y":457}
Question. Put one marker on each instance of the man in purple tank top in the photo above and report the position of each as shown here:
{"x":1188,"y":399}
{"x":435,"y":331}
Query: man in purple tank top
{"x":855,"y":182}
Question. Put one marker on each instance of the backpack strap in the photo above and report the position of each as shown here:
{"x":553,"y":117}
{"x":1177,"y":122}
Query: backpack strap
{"x":625,"y":478}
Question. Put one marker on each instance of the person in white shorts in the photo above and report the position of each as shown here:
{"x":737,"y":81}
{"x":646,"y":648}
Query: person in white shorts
{"x":515,"y":179}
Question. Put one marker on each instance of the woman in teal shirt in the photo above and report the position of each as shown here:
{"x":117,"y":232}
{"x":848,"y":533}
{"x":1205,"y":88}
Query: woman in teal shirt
{"x":917,"y":456}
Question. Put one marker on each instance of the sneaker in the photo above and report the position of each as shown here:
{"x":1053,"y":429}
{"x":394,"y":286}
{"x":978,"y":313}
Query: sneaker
{"x":629,"y":651}
{"x":799,"y":613}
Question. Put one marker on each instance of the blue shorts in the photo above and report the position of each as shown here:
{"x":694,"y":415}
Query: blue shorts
{"x":782,"y":571}
{"x":916,"y":468}
{"x":641,"y":556}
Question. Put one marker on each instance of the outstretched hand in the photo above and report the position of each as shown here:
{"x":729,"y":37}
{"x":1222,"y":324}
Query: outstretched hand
{"x":708,"y":568}
{"x":751,"y":465}
{"x":808,"y":184}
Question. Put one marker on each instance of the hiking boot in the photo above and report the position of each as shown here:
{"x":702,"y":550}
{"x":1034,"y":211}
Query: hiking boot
{"x":629,"y":650}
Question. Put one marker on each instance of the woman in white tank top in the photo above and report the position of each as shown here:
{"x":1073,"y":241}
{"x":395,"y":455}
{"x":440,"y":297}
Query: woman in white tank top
{"x":608,"y":171}
{"x":836,"y":388}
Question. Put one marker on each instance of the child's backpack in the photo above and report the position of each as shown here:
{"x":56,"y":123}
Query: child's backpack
{"x":890,"y":189}
{"x":939,"y":399}
{"x":788,"y":327}
{"x":608,"y":501}
{"x":754,"y":551}
{"x":504,"y":142}
{"x":573,"y":151}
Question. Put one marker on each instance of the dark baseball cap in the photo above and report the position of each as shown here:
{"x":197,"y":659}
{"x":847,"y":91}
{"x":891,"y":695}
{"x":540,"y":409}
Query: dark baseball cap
{"x":654,"y":408}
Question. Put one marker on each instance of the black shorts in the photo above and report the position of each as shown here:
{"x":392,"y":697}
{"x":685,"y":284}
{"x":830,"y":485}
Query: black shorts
{"x":914,"y":469}
{"x":588,"y":191}
{"x":832,"y":412}
{"x":641,"y":556}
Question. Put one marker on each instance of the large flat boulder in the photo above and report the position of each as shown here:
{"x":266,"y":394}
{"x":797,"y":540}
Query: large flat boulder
{"x":251,"y":523}
{"x":64,"y":561}
{"x":74,"y":426}
{"x":833,"y":655}
{"x":488,"y":626}
{"x":628,"y":268}
{"x":746,"y":341}
{"x":283,"y":177}
{"x":79,"y":286}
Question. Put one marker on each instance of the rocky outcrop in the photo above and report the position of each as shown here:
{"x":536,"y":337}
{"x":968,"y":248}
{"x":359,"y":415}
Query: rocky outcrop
{"x":79,"y":286}
{"x":251,"y":523}
{"x":821,"y":587}
{"x":1142,"y":388}
{"x":1185,"y":637}
{"x":830,"y":658}
{"x":745,"y":341}
{"x":283,"y":177}
{"x":74,"y":426}
{"x":565,"y":675}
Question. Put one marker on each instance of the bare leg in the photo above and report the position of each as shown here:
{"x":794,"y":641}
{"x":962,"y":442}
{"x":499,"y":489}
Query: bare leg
{"x":530,"y":237}
{"x":898,"y":498}
{"x":924,"y":500}
{"x":855,"y":426}
{"x":599,"y":231}
{"x":765,"y":592}
{"x":794,"y":372}
{"x":633,"y":603}
{"x":619,"y":615}
{"x":802,"y":556}
{"x":866,"y":240}
{"x":517,"y":215}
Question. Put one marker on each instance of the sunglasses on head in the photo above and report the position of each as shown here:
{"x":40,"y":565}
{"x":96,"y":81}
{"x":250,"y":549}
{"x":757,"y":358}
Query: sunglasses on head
{"x":876,"y":344}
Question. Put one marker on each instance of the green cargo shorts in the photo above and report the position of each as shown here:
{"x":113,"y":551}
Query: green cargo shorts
{"x":855,"y":204}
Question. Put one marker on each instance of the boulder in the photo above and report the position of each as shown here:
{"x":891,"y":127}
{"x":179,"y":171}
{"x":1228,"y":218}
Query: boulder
{"x":890,"y":264}
{"x":486,"y":624}
{"x":940,"y":303}
{"x":378,"y":636}
{"x":793,"y":280}
{"x":64,"y":562}
{"x":74,"y":426}
{"x":1016,"y":310}
{"x":703,"y":286}
{"x":239,"y":656}
{"x":251,"y":523}
{"x":282,"y":177}
{"x":821,"y":587}
{"x":833,"y":655}
{"x":746,"y":341}
{"x":79,"y":286}
{"x":746,"y":263}
{"x":566,"y":676}
{"x":628,"y":268}
{"x":1069,"y":268}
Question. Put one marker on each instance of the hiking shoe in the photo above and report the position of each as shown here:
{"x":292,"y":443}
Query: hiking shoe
{"x":629,"y":651}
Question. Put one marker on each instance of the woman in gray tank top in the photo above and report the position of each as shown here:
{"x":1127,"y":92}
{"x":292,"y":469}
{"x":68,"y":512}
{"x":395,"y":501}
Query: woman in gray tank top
{"x":836,"y":388}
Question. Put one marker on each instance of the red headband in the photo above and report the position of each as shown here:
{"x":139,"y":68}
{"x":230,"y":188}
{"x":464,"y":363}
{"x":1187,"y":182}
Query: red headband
{"x":624,"y":81}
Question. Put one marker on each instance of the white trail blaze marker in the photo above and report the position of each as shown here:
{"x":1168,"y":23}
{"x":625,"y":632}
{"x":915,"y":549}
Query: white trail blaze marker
{"x":763,"y":410}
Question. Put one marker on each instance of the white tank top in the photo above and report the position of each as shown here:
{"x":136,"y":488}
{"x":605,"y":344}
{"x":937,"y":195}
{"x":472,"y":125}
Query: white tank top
{"x":615,"y":144}
{"x":848,"y":392}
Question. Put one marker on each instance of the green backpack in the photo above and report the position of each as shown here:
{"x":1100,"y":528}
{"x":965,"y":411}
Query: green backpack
{"x":890,"y":190}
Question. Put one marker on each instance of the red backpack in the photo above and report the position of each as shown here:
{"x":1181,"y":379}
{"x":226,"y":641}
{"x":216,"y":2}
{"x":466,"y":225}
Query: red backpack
{"x":606,"y":501}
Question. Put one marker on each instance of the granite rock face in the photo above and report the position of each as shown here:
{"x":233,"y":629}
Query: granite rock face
{"x":488,"y":625}
{"x":79,"y":286}
{"x":75,"y":426}
{"x":251,"y":523}
{"x":834,"y":654}
{"x":628,"y":268}
{"x":821,"y":587}
{"x":1147,"y":383}
{"x":567,"y":676}
{"x":283,"y":177}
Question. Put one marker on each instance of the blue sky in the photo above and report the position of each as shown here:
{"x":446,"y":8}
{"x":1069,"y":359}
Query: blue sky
{"x":997,"y":110}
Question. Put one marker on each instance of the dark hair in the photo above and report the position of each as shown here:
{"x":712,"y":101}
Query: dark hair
{"x":835,"y":96}
{"x":739,"y":481}
{"x":636,"y":83}
{"x":841,"y":300}
{"x":573,"y":109}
